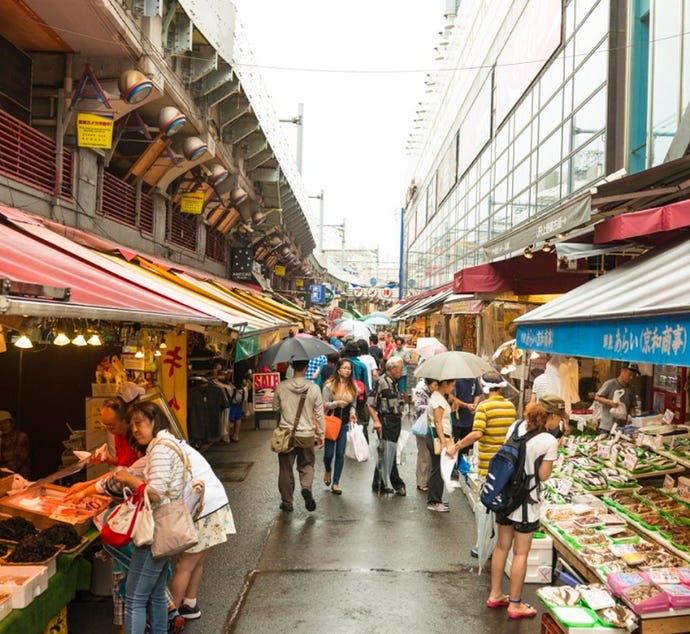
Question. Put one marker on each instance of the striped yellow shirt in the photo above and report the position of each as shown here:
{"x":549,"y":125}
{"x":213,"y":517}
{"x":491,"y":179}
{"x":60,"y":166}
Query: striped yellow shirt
{"x":493,"y":418}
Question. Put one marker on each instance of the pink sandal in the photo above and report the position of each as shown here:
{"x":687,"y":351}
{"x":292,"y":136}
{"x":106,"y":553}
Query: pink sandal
{"x":529,"y":613}
{"x":501,"y":603}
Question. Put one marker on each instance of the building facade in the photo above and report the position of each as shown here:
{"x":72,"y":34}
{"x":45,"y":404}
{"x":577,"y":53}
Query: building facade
{"x":536,"y":103}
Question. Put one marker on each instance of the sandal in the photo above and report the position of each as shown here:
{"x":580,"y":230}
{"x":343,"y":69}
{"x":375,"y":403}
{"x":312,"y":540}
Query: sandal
{"x":336,"y":489}
{"x":501,"y":603}
{"x":528,"y":613}
{"x":422,"y":488}
{"x":327,"y":478}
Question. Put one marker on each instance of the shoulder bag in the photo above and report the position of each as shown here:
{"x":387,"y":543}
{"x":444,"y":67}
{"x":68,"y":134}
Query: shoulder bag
{"x":332,"y":424}
{"x":174,"y":530}
{"x":283,"y":440}
{"x":119,"y":526}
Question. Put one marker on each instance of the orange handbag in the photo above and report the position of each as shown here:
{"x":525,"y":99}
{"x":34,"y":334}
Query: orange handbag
{"x":332,"y":424}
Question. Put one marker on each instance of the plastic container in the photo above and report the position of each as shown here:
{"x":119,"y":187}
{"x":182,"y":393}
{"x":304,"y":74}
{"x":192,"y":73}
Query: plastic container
{"x":575,"y":616}
{"x":621,"y":581}
{"x":539,"y":560}
{"x":24,"y":583}
{"x":678,"y":595}
{"x":659,"y":602}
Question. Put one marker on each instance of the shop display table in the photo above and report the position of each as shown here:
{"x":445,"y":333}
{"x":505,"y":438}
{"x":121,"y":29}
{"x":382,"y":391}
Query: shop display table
{"x":669,"y":622}
{"x":73,"y":573}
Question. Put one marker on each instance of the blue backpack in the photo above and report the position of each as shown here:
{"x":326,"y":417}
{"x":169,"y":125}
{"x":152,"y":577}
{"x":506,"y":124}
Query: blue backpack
{"x":507,"y":486}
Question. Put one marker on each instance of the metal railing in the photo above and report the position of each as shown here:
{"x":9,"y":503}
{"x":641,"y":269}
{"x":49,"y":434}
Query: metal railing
{"x":28,"y":156}
{"x":119,"y":203}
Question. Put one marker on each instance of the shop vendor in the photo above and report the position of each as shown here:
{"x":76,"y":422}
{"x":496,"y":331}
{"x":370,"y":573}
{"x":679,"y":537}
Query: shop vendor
{"x":14,"y":446}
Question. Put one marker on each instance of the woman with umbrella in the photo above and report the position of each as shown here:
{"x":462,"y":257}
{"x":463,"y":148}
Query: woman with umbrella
{"x":438,"y":415}
{"x":339,"y":394}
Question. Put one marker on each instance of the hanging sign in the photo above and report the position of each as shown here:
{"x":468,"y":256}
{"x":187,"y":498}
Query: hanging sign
{"x":358,"y":291}
{"x":279,"y":270}
{"x":192,"y":202}
{"x":299,"y":282}
{"x":386,"y":292}
{"x":371,"y":292}
{"x":94,"y":130}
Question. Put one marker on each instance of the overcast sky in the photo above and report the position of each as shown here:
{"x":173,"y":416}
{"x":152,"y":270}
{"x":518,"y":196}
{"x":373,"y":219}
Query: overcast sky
{"x":355,"y":123}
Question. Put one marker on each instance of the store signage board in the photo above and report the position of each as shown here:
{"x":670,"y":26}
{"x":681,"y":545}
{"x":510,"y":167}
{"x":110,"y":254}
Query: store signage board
{"x":192,"y":202}
{"x":653,"y":339}
{"x":94,"y":130}
{"x":265,"y":384}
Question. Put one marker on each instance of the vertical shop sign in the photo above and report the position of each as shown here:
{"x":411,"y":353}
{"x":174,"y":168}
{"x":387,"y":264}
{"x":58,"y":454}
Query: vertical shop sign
{"x":265,"y":384}
{"x":173,"y":376}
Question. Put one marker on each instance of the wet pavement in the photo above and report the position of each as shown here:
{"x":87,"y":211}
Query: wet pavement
{"x":358,"y":563}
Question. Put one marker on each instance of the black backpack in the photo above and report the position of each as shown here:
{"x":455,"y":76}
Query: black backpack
{"x":507,"y":486}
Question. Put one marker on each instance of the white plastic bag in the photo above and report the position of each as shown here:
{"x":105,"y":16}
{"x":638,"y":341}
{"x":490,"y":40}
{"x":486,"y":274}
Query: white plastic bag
{"x":620,"y":411}
{"x":400,"y":450}
{"x":356,"y":447}
{"x":420,"y":426}
{"x":447,"y":466}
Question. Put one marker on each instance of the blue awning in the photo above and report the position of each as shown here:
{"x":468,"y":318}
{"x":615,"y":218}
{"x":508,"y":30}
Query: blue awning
{"x":639,"y":312}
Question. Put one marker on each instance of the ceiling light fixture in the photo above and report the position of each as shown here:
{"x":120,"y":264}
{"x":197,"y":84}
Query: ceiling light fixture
{"x":61,"y":340}
{"x":528,"y":253}
{"x":547,"y":248}
{"x":139,"y":354}
{"x":134,"y":86}
{"x":94,"y":340}
{"x":23,"y":342}
{"x":79,"y":340}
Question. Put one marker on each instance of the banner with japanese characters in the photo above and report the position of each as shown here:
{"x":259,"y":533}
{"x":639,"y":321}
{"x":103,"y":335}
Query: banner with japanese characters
{"x":173,"y":376}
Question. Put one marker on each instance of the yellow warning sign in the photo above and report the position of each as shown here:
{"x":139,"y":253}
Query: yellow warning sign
{"x":94,"y":130}
{"x":279,"y":270}
{"x":192,"y":203}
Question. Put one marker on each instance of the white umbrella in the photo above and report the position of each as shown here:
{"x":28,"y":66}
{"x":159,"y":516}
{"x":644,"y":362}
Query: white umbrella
{"x":377,"y":320}
{"x":452,"y":365}
{"x":358,"y":329}
{"x":429,"y":346}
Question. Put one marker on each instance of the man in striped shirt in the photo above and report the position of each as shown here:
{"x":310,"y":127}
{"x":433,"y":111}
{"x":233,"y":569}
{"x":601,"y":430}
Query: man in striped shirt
{"x":492,"y":419}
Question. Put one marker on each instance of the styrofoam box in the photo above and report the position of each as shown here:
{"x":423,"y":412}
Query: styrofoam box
{"x":5,"y":607}
{"x":35,"y":584}
{"x":539,"y":561}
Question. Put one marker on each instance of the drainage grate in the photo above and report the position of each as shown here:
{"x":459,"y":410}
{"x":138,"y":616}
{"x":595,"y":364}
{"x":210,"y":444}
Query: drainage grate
{"x":233,"y":471}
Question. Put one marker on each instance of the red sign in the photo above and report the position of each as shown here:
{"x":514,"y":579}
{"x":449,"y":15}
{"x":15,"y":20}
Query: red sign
{"x":386,"y":292}
{"x":265,"y":384}
{"x":358,"y":291}
{"x":371,"y":292}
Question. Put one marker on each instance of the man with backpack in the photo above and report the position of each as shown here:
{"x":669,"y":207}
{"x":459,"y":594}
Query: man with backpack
{"x":492,"y":419}
{"x":511,"y":489}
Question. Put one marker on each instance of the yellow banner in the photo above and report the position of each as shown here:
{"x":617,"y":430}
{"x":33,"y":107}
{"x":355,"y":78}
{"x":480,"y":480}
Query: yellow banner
{"x":94,"y":130}
{"x":192,"y":203}
{"x":172,"y":370}
{"x":279,"y":270}
{"x":299,"y":282}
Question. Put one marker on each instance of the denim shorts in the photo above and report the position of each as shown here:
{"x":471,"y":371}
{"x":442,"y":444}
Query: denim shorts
{"x":518,"y":527}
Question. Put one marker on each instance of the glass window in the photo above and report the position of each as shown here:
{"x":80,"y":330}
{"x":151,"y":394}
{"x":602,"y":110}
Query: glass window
{"x":549,"y":154}
{"x":549,"y":189}
{"x":667,"y":20}
{"x":587,"y":164}
{"x":591,"y":75}
{"x":570,"y":19}
{"x":521,"y":207}
{"x":521,"y":176}
{"x":590,"y":119}
{"x":500,"y":167}
{"x":551,"y":116}
{"x":551,"y":79}
{"x":592,"y":30}
{"x":522,"y":144}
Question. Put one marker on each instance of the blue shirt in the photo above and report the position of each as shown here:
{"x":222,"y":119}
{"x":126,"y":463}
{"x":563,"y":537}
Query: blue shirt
{"x":313,"y":366}
{"x":466,"y":390}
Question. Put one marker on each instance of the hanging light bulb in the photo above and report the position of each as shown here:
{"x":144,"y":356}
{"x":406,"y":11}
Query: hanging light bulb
{"x":94,"y":340}
{"x":163,"y":346}
{"x":528,"y":252}
{"x":79,"y":340}
{"x":157,"y":353}
{"x":547,"y":248}
{"x":139,"y":354}
{"x":61,"y":340}
{"x":23,"y":342}
{"x":534,"y":355}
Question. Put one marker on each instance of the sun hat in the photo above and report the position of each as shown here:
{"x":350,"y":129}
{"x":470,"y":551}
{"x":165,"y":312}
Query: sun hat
{"x":553,"y":404}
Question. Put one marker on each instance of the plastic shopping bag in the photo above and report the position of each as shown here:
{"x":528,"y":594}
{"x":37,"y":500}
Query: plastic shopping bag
{"x":420,"y":426}
{"x":487,"y":535}
{"x":447,"y":466}
{"x":356,"y":446}
{"x":400,"y":449}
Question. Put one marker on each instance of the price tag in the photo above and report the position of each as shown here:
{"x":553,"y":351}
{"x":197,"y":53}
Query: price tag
{"x":572,"y":449}
{"x":604,"y":450}
{"x":668,"y":416}
{"x":639,"y":439}
{"x":630,"y":461}
{"x":683,"y":491}
{"x":613,"y":429}
{"x":669,"y":484}
{"x":657,"y":443}
{"x":614,"y":454}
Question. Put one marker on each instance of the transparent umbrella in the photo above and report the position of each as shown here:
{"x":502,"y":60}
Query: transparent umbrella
{"x":429,"y":347}
{"x":377,"y":320}
{"x":358,"y":329}
{"x":452,"y":365}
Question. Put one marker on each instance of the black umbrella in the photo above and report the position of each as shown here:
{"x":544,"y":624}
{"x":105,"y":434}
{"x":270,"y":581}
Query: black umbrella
{"x":301,"y":347}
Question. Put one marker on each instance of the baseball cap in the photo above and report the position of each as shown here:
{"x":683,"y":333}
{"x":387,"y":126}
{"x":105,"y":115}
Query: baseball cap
{"x":633,"y":367}
{"x":553,"y":404}
{"x":5,"y":415}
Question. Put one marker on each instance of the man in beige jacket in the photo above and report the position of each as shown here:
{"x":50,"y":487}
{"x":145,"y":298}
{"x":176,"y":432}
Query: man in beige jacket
{"x":308,"y":433}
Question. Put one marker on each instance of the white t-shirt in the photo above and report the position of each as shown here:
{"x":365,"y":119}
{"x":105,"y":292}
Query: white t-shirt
{"x":544,"y":444}
{"x":438,"y":400}
{"x":370,"y":362}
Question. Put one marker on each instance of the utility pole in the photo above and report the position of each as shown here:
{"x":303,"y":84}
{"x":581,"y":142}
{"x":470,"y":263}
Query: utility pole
{"x":299,"y":122}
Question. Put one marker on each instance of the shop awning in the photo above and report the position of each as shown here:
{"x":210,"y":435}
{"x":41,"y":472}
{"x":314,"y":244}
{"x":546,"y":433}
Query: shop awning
{"x":422,"y":303}
{"x":95,"y":292}
{"x":644,"y":223}
{"x":640,"y":312}
{"x":518,"y":275}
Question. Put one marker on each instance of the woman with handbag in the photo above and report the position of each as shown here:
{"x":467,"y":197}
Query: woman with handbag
{"x":440,"y":434}
{"x":339,"y":395}
{"x":165,"y":476}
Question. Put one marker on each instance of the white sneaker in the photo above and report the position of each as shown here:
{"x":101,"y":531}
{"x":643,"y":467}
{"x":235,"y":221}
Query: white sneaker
{"x":439,"y":507}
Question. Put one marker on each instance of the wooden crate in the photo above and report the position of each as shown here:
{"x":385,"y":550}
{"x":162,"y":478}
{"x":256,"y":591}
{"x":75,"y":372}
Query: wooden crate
{"x":10,"y":505}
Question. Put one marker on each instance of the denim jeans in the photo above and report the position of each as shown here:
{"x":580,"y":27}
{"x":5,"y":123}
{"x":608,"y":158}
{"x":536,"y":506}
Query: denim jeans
{"x":145,"y":593}
{"x":337,"y":447}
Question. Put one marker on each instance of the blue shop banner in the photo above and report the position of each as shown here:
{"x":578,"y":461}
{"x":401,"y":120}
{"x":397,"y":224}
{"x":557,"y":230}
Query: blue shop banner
{"x":660,"y":339}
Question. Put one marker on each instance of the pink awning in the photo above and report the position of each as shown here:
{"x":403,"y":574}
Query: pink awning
{"x":635,"y":224}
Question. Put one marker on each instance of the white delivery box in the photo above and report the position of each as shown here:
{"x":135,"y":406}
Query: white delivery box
{"x":539,"y":560}
{"x":24,"y":583}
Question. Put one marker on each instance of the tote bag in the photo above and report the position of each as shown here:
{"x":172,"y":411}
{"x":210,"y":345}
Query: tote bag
{"x":118,"y":528}
{"x":332,"y":424}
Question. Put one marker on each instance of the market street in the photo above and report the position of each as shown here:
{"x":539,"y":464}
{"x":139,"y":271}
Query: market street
{"x":357,"y":564}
